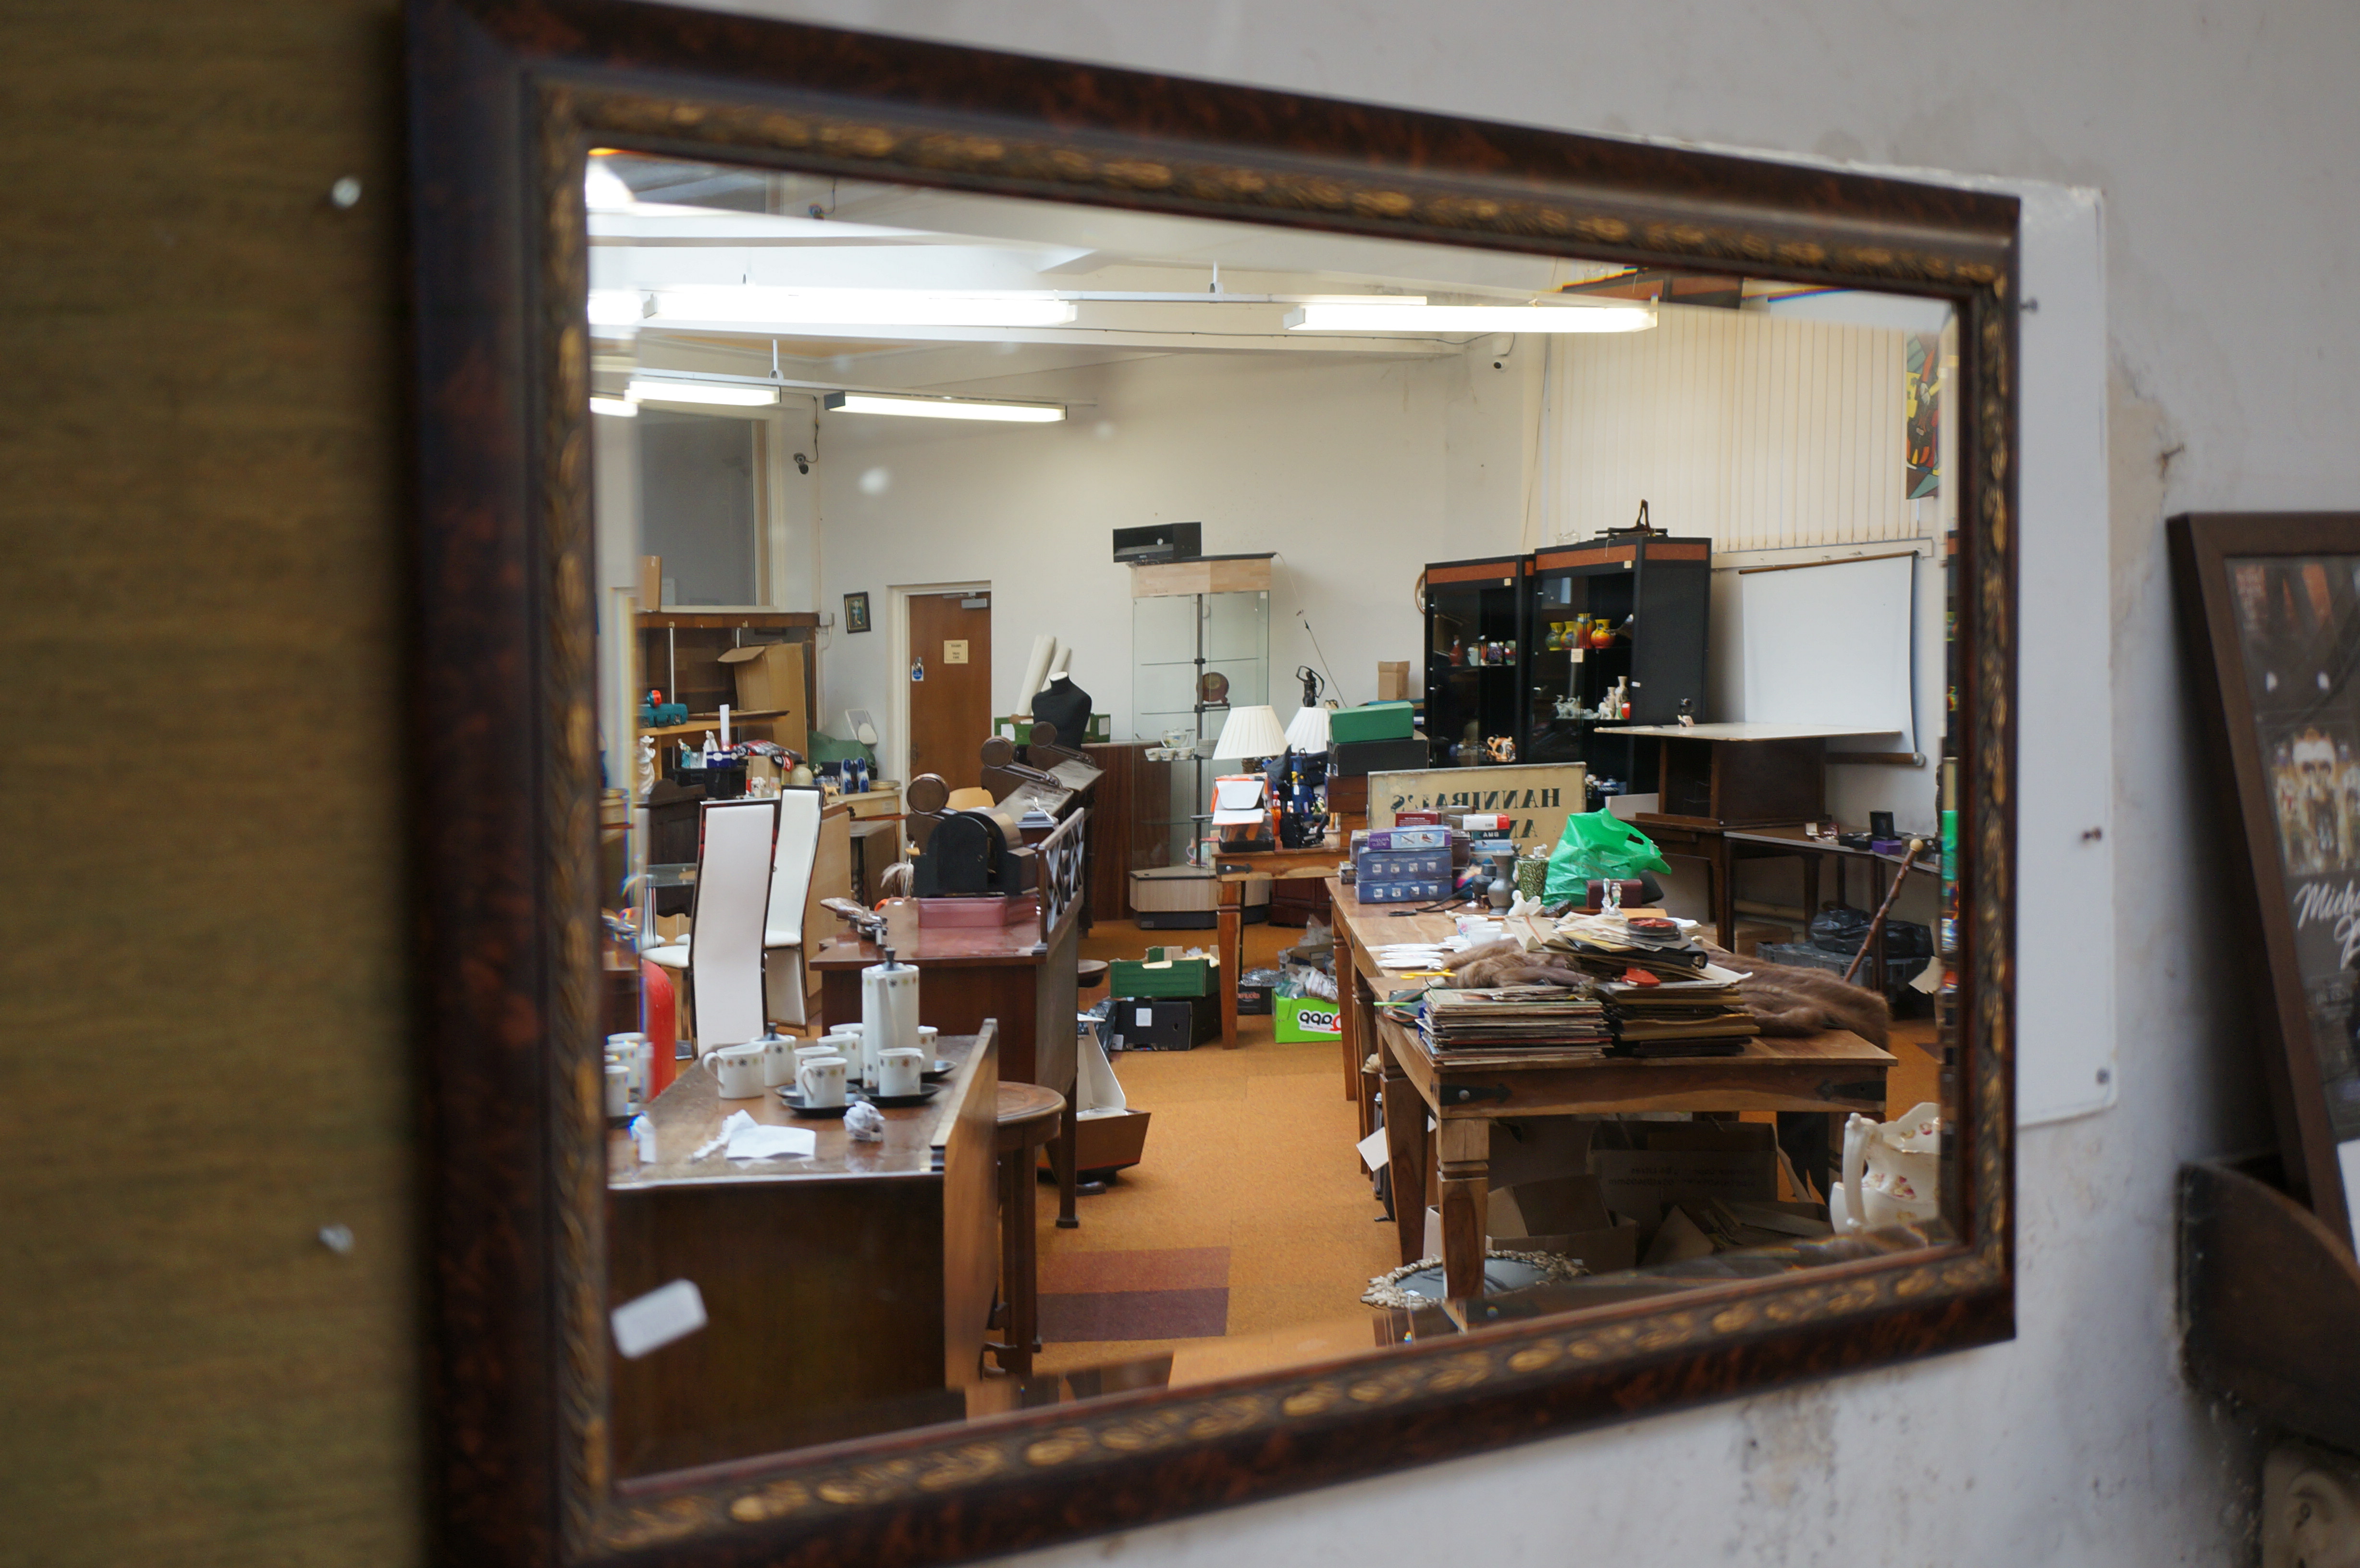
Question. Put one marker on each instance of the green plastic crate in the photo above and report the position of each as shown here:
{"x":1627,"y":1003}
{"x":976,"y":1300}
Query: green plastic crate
{"x":1156,"y":976}
{"x":1374,"y":721}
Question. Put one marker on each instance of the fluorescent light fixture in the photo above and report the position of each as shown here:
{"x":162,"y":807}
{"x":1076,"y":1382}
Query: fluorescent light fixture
{"x":1406,"y":318}
{"x":946,"y":408}
{"x":615,"y":307}
{"x":721,"y":394}
{"x":621,"y":408}
{"x":603,"y":190}
{"x":755,"y":304}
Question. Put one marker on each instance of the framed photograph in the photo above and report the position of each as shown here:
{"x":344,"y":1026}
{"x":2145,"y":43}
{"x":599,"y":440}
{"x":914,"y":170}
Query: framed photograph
{"x":856,"y":612}
{"x":2271,"y":607}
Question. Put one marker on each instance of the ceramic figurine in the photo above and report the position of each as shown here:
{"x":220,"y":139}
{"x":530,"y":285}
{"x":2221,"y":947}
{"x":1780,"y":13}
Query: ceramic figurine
{"x":1892,"y":1170}
{"x":647,"y":765}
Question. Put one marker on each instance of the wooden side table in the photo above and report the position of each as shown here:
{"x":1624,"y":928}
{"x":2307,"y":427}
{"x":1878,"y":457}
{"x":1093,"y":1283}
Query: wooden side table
{"x":1029,"y":1116}
{"x":1235,"y":871}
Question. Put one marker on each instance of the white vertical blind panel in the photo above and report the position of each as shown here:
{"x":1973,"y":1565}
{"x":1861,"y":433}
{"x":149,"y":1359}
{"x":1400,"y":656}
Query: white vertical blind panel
{"x":1757,"y":431}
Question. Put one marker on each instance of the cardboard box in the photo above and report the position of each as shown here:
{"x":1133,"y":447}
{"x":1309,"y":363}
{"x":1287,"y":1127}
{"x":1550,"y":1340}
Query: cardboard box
{"x":1350,"y":757}
{"x":770,"y":676}
{"x":1372,"y":721}
{"x":1736,"y":1162}
{"x":1187,"y":897}
{"x":1162,"y":973}
{"x":1303,"y":1018}
{"x":651,"y":582}
{"x":1105,"y":1142}
{"x":1393,"y":680}
{"x":1564,"y":1216}
{"x":1165,"y":1023}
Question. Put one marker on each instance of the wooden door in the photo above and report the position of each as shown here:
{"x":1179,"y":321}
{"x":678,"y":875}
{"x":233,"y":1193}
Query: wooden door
{"x":949,"y":674}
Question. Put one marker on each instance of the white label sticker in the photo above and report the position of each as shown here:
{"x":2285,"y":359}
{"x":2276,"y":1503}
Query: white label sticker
{"x":1143,"y":1018}
{"x":665,"y":1314}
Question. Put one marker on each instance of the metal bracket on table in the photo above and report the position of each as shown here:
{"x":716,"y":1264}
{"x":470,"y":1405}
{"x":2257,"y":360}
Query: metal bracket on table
{"x":1467,"y":1093}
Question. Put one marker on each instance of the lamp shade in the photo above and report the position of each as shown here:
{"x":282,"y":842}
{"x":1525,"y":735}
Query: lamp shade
{"x":1306,"y":732}
{"x":1250,"y":731}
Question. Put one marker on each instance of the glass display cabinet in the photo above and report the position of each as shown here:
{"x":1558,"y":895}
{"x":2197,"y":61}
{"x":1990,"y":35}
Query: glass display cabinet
{"x":1475,"y":642}
{"x":1614,"y":620}
{"x":1200,"y":647}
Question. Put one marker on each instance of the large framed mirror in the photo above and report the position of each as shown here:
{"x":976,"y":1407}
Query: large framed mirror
{"x":760,"y":368}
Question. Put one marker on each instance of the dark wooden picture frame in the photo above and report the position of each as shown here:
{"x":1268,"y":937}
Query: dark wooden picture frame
{"x":856,"y":612}
{"x":506,"y":98}
{"x":2206,"y":551}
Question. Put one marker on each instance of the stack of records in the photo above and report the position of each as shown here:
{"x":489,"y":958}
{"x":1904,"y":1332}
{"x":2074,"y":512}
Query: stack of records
{"x":1611,"y":946}
{"x":1699,"y":1017}
{"x":1513,"y":1021}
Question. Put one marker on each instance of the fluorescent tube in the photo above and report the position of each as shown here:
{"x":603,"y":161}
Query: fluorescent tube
{"x":946,"y":408}
{"x":789,"y":307}
{"x":721,"y":394}
{"x":1373,"y":318}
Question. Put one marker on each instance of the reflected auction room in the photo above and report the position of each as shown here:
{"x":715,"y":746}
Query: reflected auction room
{"x":1186,"y":799}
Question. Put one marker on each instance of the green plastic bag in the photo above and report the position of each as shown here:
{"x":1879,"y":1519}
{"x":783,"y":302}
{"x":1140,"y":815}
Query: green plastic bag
{"x":1597,"y":845}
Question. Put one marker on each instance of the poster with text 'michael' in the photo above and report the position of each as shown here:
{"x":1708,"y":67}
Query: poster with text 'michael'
{"x":2299,"y":620}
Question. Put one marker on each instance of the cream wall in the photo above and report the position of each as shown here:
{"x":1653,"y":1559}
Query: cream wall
{"x":1356,"y":471}
{"x":2207,"y":127}
{"x":211,"y":484}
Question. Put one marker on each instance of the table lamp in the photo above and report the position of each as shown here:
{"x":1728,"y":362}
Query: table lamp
{"x":1306,"y":732}
{"x":1251,"y":733}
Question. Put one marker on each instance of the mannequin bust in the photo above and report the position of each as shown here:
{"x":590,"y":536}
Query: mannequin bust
{"x":1065,"y":705}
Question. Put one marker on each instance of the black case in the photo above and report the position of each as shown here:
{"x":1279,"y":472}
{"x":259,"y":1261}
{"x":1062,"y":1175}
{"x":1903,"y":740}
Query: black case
{"x":1350,"y":757}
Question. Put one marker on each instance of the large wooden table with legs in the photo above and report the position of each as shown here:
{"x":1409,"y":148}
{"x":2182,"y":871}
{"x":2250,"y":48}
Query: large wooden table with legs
{"x":1835,"y":1070}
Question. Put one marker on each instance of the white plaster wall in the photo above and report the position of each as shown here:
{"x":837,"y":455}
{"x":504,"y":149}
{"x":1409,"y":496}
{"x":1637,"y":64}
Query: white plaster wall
{"x":2220,"y":133}
{"x":1354,"y":471}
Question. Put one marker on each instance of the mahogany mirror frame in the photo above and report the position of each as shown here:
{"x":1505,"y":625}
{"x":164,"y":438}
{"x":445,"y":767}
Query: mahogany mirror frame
{"x":505,"y":98}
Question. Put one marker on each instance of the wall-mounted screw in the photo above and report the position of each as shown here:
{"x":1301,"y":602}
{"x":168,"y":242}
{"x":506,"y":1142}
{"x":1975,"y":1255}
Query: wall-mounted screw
{"x":345,"y":193}
{"x":2105,"y":1075}
{"x":337,"y":1239}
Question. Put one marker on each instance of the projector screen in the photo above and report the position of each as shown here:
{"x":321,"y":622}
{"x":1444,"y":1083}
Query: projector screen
{"x":1829,"y":646}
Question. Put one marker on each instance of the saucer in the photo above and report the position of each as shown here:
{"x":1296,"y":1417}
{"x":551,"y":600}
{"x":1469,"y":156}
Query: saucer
{"x":795,"y":1102}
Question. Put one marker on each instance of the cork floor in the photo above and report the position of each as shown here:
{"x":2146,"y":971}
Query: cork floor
{"x":1246,"y":1234}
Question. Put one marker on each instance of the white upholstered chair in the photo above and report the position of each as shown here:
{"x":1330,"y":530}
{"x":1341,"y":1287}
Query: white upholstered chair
{"x":783,"y":981}
{"x":723,"y":955}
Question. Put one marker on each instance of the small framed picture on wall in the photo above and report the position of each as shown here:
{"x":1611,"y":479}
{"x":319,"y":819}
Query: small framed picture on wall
{"x":856,"y":612}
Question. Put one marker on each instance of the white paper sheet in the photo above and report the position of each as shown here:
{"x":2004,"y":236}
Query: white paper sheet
{"x":1373,"y":1153}
{"x":750,"y":1139}
{"x":653,"y":1321}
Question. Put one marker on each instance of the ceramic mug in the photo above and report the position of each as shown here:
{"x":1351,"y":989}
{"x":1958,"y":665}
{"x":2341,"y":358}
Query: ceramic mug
{"x":846,"y":1042}
{"x":619,"y":1090}
{"x":899,"y":1069}
{"x":930,"y":1040}
{"x":778,"y":1059}
{"x":820,"y":1080}
{"x":739,"y":1070}
{"x":804,"y":1053}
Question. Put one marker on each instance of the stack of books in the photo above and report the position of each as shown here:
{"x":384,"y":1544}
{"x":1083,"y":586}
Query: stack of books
{"x":1611,"y":946}
{"x":1513,"y":1023}
{"x":1700,"y":1016}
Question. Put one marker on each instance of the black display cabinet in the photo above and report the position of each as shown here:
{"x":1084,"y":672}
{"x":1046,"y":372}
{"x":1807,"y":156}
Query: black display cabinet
{"x":1655,"y":594}
{"x":1474,"y":654}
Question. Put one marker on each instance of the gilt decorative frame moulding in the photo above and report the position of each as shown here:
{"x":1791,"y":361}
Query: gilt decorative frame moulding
{"x":506,"y":98}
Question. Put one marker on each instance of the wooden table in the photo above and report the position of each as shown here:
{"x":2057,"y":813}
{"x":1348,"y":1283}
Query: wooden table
{"x":1234,"y":871}
{"x":1834,"y":1071}
{"x":966,"y":973}
{"x":848,"y":1293}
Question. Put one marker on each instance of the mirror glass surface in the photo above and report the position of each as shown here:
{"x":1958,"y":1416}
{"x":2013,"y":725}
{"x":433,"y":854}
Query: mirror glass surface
{"x":1654,"y":553}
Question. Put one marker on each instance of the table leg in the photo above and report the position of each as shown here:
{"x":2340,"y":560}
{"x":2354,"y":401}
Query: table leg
{"x":1724,"y":908}
{"x":1466,"y":1171}
{"x":1405,"y":1157}
{"x":1232,"y":946}
{"x":1064,"y":1150}
{"x":1348,"y":1010}
{"x":1023,"y":1273}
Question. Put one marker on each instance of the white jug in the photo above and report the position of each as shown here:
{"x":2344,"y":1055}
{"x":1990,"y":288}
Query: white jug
{"x":1892,"y":1170}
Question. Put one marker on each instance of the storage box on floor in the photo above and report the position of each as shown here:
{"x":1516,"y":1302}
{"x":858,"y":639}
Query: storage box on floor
{"x":1188,"y":897}
{"x":1629,"y":1207}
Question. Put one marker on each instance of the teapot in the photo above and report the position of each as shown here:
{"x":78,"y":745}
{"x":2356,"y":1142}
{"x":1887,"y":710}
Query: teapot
{"x":1892,"y":1170}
